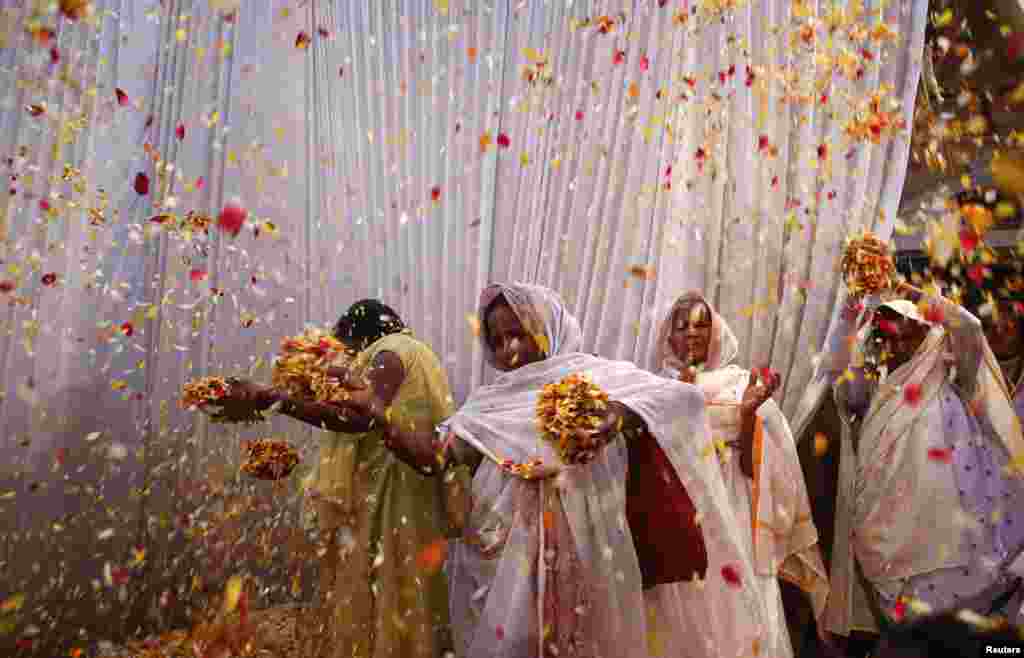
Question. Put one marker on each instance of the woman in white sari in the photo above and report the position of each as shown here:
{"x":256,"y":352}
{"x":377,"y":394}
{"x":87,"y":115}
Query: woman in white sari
{"x":759,"y":460}
{"x":930,"y":509}
{"x":555,"y":558}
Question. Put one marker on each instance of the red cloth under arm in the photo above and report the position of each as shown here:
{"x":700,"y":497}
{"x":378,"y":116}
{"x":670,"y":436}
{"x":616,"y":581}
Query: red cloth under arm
{"x":662,"y":518}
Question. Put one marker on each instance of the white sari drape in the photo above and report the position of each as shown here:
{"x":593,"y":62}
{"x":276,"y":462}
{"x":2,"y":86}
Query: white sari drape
{"x":508,"y":595}
{"x":773,"y":508}
{"x":912,"y":502}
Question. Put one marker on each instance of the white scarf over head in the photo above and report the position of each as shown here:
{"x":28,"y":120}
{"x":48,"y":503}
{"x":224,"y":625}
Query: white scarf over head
{"x":786,"y":540}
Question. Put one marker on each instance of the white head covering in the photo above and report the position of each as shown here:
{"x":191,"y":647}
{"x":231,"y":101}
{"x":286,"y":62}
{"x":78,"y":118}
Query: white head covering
{"x":542,"y":313}
{"x":907,"y":309}
{"x":722,"y":349}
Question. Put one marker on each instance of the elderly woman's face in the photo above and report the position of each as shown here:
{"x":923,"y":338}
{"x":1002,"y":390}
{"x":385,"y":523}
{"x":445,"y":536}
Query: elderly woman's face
{"x":902,"y":336}
{"x":513,"y":346}
{"x":691,"y":333}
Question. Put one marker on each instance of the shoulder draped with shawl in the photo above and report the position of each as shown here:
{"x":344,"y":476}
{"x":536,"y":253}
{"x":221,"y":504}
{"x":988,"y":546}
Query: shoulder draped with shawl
{"x":905,"y":482}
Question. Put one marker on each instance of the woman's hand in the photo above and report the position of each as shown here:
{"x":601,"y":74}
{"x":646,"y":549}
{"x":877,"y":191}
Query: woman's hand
{"x":245,"y":399}
{"x":613,"y":419}
{"x":688,"y":375}
{"x":760,"y":389}
{"x":243,"y":390}
{"x":360,"y":402}
{"x":344,"y":376}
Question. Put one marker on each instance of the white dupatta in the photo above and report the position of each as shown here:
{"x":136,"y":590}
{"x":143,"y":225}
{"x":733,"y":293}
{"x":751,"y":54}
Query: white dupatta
{"x":785,"y":540}
{"x":865,"y":500}
{"x":510,"y":593}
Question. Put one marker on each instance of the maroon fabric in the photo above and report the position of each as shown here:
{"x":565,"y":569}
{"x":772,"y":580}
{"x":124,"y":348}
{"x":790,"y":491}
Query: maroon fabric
{"x":662,"y":518}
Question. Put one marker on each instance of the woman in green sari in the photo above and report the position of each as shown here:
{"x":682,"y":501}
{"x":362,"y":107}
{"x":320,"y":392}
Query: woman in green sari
{"x":384,"y":524}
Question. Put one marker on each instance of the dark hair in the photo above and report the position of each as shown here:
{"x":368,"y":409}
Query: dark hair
{"x":366,"y":322}
{"x":948,"y":635}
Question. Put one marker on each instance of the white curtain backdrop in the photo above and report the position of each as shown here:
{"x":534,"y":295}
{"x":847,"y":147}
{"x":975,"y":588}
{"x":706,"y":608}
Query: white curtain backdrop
{"x":620,"y":152}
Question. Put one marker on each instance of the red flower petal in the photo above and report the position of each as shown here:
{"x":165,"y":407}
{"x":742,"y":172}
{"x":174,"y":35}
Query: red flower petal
{"x":197,"y":275}
{"x":885,"y":326}
{"x":731,"y":575}
{"x":499,"y":632}
{"x":763,"y":142}
{"x":912,"y":394}
{"x":934,"y":314}
{"x":435,"y":193}
{"x":49,"y":279}
{"x":54,"y":55}
{"x":243,"y":608}
{"x":579,"y":115}
{"x":968,"y":240}
{"x":179,"y":132}
{"x":944,"y":455}
{"x":1015,"y":46}
{"x":976,"y":273}
{"x":232,"y":219}
{"x":620,"y":57}
{"x":200,"y":183}
{"x":44,"y":205}
{"x":141,"y":184}
{"x":504,"y":141}
{"x":127,"y":329}
{"x":644,"y":63}
{"x":899,"y":611}
{"x":6,"y":287}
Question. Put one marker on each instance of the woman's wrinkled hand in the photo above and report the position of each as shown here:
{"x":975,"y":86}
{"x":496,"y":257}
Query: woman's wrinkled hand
{"x":760,"y":388}
{"x":358,"y":403}
{"x":607,"y":430}
{"x":345,"y":377}
{"x":688,"y":375}
{"x":245,"y":391}
{"x":245,"y":399}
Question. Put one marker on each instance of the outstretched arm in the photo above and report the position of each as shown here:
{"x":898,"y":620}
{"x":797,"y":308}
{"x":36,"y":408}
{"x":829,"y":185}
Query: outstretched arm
{"x":318,"y":414}
{"x":427,"y":451}
{"x":360,"y":409}
{"x":965,"y":331}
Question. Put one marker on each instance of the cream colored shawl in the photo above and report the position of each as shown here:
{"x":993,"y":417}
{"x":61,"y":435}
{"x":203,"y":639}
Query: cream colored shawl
{"x":785,"y":541}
